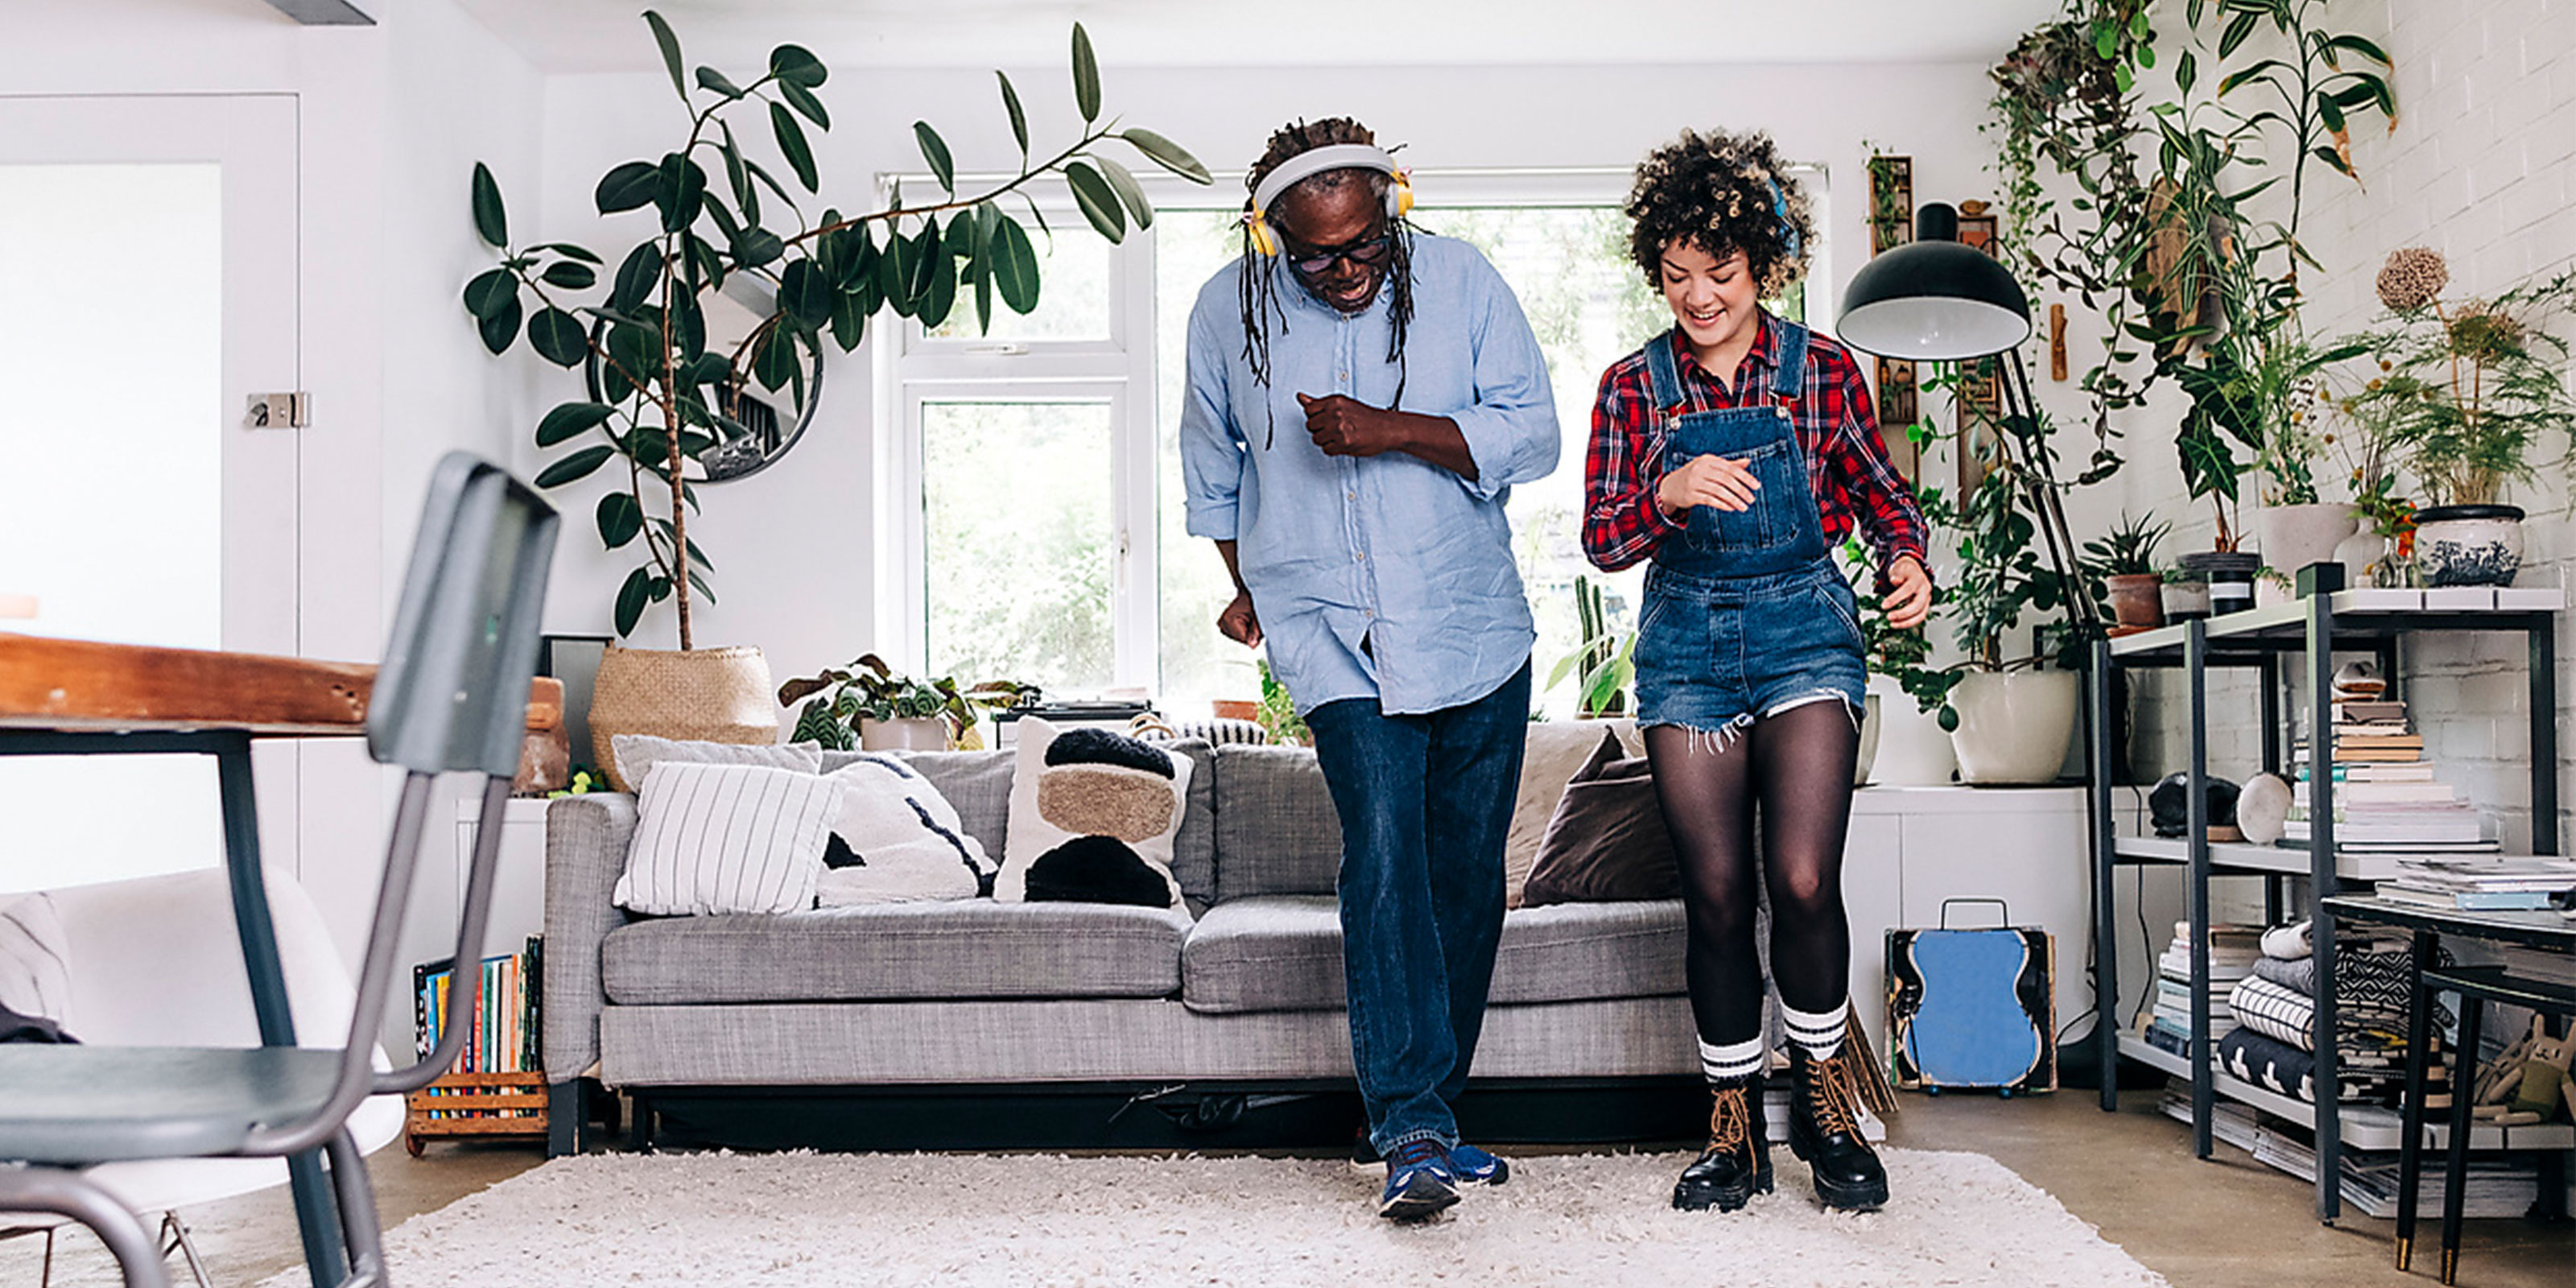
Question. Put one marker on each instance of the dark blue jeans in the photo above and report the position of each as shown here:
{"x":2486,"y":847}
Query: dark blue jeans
{"x":1425,"y":803}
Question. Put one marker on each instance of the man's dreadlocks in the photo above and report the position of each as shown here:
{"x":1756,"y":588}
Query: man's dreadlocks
{"x":1259,"y":300}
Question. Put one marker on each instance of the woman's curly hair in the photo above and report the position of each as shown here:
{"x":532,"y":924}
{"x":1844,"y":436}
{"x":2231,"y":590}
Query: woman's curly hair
{"x":1722,"y":193}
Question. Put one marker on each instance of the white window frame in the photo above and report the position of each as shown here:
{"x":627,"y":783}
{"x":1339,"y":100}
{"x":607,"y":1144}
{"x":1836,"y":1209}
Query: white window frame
{"x":912,"y":369}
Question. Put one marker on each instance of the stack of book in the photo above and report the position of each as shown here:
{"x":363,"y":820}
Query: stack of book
{"x":2386,"y":798}
{"x":2233,"y":950}
{"x":2481,"y":884}
{"x":2498,"y":1187}
{"x":502,"y":1030}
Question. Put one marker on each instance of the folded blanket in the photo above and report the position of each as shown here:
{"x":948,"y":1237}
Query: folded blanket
{"x":2373,"y":984}
{"x":2276,"y":1011}
{"x":2257,"y":1059}
{"x":2286,"y":943}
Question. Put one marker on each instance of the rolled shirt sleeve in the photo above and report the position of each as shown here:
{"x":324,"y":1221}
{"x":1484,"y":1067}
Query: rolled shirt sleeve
{"x":1212,"y":447}
{"x":1511,"y":429}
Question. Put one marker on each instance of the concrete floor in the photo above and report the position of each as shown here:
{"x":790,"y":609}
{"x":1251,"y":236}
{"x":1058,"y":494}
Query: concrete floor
{"x":2225,"y":1223}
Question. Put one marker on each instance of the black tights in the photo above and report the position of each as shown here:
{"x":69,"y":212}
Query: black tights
{"x":1798,"y":766}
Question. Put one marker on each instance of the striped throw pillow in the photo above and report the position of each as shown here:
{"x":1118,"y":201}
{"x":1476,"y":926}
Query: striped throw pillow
{"x":726,"y":839}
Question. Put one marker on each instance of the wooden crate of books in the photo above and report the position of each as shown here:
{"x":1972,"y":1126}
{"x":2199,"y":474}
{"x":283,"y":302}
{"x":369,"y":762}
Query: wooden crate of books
{"x":497,"y":1089}
{"x":485,"y":1105}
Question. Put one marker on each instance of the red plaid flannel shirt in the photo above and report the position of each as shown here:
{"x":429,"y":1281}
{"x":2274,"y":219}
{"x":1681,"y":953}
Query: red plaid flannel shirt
{"x":1837,"y":427}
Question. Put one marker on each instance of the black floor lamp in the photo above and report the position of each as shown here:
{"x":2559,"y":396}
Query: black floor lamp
{"x":1937,"y":300}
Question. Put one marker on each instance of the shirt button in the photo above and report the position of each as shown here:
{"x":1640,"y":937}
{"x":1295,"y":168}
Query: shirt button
{"x":1360,"y":557}
{"x":1351,"y":496}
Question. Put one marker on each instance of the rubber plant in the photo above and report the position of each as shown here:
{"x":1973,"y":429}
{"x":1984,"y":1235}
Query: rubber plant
{"x":713,"y":213}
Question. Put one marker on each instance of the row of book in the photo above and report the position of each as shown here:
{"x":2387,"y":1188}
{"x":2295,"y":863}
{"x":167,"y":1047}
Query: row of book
{"x":2386,"y":796}
{"x":2498,"y":1186}
{"x":503,"y":1028}
{"x":2233,"y":950}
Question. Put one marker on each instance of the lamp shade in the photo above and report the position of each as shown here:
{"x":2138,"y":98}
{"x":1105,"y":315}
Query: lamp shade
{"x":1934,"y":299}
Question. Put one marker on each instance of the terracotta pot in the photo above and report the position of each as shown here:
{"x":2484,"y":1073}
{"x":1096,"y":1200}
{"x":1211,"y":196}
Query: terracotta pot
{"x":903,"y":733}
{"x":1236,"y":709}
{"x":2468,"y":545}
{"x":705,"y":695}
{"x":2014,"y":725}
{"x":2137,"y":598}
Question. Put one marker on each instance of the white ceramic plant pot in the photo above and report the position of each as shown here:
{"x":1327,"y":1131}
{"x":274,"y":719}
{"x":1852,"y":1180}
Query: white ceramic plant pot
{"x":2294,"y":536}
{"x":2013,"y":725}
{"x":1912,"y":751}
{"x":905,"y":733}
{"x":2468,"y":545}
{"x":1869,"y":727}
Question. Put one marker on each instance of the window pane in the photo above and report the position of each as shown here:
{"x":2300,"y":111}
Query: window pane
{"x":1015,"y":522}
{"x":1073,"y":295}
{"x":1198,"y":664}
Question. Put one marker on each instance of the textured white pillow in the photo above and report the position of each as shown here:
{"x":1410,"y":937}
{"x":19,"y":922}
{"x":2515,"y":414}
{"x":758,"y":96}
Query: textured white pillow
{"x":1102,"y":827}
{"x":35,"y":956}
{"x":907,"y":839}
{"x":637,"y":753}
{"x":726,"y":838}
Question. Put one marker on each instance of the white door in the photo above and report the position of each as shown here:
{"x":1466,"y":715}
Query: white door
{"x":148,"y":258}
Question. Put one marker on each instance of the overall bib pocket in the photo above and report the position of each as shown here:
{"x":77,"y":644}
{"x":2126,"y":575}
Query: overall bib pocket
{"x":1761,"y":528}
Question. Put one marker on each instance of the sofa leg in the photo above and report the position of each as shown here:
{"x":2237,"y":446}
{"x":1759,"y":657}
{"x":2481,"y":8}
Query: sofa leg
{"x":639,"y":1125}
{"x":567,"y":1107}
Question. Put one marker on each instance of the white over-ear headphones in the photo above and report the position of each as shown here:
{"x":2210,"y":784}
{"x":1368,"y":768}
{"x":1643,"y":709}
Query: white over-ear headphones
{"x":1338,"y":156}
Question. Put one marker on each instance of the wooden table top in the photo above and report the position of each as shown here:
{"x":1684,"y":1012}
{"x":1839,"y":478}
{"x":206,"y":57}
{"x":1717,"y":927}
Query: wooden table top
{"x":84,"y":685}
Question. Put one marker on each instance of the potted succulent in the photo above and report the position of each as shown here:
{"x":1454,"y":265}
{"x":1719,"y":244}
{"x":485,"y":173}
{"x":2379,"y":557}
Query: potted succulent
{"x":2125,"y":561}
{"x":672,"y":392}
{"x":2465,"y":394}
{"x":868,"y":706}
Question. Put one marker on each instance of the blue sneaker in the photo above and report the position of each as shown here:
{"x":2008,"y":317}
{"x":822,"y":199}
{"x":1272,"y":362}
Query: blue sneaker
{"x":1473,"y":1166}
{"x":1419,"y":1183}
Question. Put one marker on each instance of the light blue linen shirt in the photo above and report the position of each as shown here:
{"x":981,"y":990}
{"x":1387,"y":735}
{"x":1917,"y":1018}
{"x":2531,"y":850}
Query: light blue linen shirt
{"x":1390,"y":550}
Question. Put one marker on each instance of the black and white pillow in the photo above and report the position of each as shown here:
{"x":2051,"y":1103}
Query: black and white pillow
{"x":897,"y":840}
{"x":726,"y":839}
{"x":1093,"y":814}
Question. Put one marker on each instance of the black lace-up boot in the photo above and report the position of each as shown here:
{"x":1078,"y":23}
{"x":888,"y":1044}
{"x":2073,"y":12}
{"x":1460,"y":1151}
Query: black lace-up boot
{"x":1737,"y":1163}
{"x":1824,"y":1132}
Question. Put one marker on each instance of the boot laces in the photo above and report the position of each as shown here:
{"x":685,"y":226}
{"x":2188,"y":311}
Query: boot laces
{"x":1829,"y":1094}
{"x":1730,"y":1121}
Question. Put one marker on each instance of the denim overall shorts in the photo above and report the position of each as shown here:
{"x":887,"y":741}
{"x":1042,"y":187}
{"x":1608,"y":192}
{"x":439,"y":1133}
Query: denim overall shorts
{"x":1745,"y":615}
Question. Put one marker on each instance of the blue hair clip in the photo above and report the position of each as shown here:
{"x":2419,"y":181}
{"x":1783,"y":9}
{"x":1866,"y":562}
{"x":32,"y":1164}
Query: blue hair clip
{"x":1780,"y":208}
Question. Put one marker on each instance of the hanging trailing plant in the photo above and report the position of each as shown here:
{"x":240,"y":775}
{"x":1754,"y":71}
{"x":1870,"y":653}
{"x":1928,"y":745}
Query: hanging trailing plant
{"x":666,"y":398}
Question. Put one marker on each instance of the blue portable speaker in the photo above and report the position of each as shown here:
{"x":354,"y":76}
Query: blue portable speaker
{"x":1972,"y":1008}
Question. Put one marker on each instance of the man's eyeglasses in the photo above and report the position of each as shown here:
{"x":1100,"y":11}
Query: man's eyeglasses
{"x":1367,"y":253}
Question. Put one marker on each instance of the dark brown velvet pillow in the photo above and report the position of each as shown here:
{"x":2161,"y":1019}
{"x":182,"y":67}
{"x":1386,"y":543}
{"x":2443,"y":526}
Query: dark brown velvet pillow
{"x":1607,"y":841}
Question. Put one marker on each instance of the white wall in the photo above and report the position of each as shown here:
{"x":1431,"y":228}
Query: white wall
{"x":792,"y":543}
{"x":389,"y":120}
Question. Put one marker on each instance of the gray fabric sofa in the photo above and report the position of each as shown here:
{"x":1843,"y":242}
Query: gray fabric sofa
{"x":1242,"y":985}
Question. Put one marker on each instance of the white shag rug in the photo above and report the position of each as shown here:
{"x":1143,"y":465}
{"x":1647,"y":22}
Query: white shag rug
{"x":772,"y":1220}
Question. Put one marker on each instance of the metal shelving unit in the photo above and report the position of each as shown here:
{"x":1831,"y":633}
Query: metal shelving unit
{"x":2298,"y":641}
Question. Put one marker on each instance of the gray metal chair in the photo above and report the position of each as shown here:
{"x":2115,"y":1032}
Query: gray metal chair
{"x":450,"y":696}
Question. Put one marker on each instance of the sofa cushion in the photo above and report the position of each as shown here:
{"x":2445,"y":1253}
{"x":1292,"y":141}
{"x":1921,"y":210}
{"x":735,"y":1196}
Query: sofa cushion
{"x":1276,"y":832}
{"x":1284,"y":953}
{"x":978,"y":783}
{"x":967,"y":948}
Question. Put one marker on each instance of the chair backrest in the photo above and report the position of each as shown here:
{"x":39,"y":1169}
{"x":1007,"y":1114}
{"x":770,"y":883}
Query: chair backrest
{"x":452,"y":691}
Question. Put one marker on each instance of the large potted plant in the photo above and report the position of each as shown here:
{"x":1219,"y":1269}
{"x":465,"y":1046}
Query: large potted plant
{"x":670,"y":391}
{"x":2465,"y":395}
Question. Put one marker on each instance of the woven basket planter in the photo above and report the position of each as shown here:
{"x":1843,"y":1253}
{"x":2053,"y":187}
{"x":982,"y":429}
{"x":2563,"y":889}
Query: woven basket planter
{"x":705,"y":694}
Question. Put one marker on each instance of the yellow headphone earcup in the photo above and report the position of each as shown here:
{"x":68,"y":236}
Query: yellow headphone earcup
{"x":1403,"y":196}
{"x":1264,"y":241}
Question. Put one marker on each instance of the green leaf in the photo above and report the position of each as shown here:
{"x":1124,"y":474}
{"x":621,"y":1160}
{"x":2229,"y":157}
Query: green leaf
{"x":1130,"y":192}
{"x":2187,"y":72}
{"x":940,"y":297}
{"x":2239,"y":30}
{"x":1015,"y":266}
{"x":1019,"y":119}
{"x":796,"y":65}
{"x":709,"y":265}
{"x":620,"y":518}
{"x":491,"y":291}
{"x":704,"y":590}
{"x":2360,"y":46}
{"x":570,"y":276}
{"x":489,"y":221}
{"x":568,"y":251}
{"x":1165,"y":153}
{"x":636,"y":278}
{"x":2332,"y":158}
{"x":558,"y":338}
{"x":670,"y":44}
{"x":773,"y":359}
{"x":791,"y":141}
{"x":660,"y":589}
{"x":628,"y":187}
{"x":710,"y":78}
{"x":503,"y":327}
{"x":578,"y":465}
{"x":935,"y":151}
{"x":757,"y":246}
{"x":2330,"y":114}
{"x":570,"y":420}
{"x":632,"y":599}
{"x":1098,"y":203}
{"x":926,"y":261}
{"x":803,"y":100}
{"x":850,"y":319}
{"x":1086,"y":75}
{"x":805,"y":294}
{"x":679,"y":192}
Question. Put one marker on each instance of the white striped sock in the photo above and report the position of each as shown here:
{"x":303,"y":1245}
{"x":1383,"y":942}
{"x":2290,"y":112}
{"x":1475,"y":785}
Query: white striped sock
{"x":1820,"y":1034}
{"x":1732,"y":1061}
